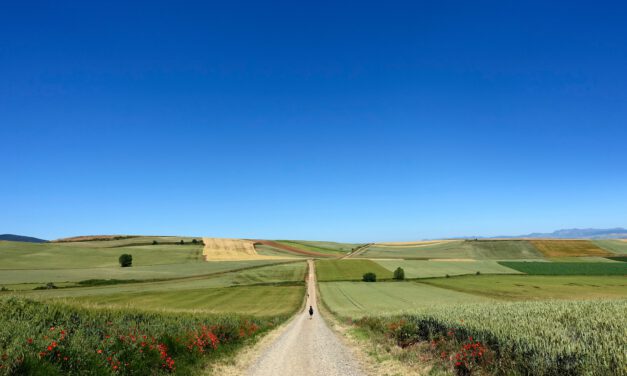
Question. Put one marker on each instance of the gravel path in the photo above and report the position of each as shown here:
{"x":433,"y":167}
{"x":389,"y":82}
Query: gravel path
{"x":306,"y":347}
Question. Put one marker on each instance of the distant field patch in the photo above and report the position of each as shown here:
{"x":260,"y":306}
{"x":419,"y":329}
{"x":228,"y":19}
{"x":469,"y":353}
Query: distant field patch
{"x":567,"y":268}
{"x":220,"y":249}
{"x":535,"y":287}
{"x":327,"y":248}
{"x":618,"y":258}
{"x":566,"y":248}
{"x":358,"y":299}
{"x":266,"y":250}
{"x":459,"y":249}
{"x":614,"y":246}
{"x":349,"y":270}
{"x":427,"y":269}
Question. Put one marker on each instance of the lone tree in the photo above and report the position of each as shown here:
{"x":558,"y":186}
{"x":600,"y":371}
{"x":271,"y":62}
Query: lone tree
{"x":126,"y":260}
{"x":182,"y":242}
{"x":369,"y":277}
{"x":399,"y":274}
{"x":154,"y":242}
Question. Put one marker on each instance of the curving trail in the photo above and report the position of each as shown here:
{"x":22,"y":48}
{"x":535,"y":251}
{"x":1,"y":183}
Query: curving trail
{"x":306,"y":347}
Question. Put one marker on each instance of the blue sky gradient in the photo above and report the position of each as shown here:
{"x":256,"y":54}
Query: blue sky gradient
{"x":358,"y":121}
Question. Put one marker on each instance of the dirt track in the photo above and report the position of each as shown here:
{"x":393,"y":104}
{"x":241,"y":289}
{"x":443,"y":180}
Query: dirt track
{"x":306,"y":347}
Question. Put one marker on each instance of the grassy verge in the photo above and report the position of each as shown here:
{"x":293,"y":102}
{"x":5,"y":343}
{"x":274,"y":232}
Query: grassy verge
{"x":530,"y":338}
{"x":56,"y":339}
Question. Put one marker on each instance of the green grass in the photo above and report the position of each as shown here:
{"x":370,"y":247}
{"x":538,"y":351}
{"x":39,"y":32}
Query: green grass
{"x":357,"y":299}
{"x":428,"y":269}
{"x":272,"y":274}
{"x":21,"y":255}
{"x":568,"y":268}
{"x":527,"y":287}
{"x":55,"y":339}
{"x":525,"y":338}
{"x":330,"y":248}
{"x":614,"y":246}
{"x":349,"y":270}
{"x":244,"y":300}
{"x":471,"y":249}
{"x":13,"y":278}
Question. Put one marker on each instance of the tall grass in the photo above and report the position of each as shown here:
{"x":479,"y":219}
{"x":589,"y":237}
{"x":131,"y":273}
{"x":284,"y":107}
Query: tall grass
{"x":531,"y":338}
{"x":56,"y":339}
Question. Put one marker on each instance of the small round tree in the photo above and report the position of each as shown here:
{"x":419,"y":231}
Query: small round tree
{"x":182,"y":242}
{"x":369,"y":277}
{"x":195,"y":241}
{"x":126,"y":260}
{"x":399,"y":274}
{"x":154,"y":242}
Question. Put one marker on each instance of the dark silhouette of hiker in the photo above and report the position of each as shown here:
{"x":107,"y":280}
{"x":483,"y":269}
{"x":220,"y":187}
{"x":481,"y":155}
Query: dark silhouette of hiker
{"x":310,"y":312}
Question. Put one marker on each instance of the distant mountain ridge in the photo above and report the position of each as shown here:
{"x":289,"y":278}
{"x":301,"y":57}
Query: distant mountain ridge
{"x":20,"y":238}
{"x":572,"y":233}
{"x":583,"y":233}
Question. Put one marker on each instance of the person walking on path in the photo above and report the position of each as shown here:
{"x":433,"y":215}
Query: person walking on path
{"x":310,"y":312}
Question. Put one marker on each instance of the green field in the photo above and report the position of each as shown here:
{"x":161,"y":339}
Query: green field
{"x":568,"y":268}
{"x":349,"y":270}
{"x":462,"y":249}
{"x":20,"y":255}
{"x":17,"y":279}
{"x":614,"y":246}
{"x":528,"y":287}
{"x":289,"y":273}
{"x":357,"y":299}
{"x":428,"y":269}
{"x":129,"y":241}
{"x":245,"y":300}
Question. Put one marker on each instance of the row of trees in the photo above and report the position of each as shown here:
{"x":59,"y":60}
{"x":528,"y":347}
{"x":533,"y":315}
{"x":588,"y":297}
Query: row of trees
{"x":399,"y":274}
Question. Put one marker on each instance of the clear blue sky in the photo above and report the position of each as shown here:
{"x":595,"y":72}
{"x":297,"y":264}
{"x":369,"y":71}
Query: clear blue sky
{"x":350,"y":121}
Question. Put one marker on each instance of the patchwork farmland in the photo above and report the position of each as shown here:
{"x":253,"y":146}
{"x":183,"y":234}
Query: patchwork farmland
{"x":236,"y":290}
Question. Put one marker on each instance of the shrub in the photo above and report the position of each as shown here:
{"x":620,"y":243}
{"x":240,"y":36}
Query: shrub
{"x":195,"y":241}
{"x":182,"y":242}
{"x":369,"y":277}
{"x":154,"y":242}
{"x":126,"y":260}
{"x":478,"y":272}
{"x":399,"y":274}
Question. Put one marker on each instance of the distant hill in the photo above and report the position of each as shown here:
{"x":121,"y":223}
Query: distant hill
{"x":20,"y":238}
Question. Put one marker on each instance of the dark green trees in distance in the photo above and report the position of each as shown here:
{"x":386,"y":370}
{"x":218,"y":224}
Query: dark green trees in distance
{"x":126,"y":260}
{"x":399,"y":274}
